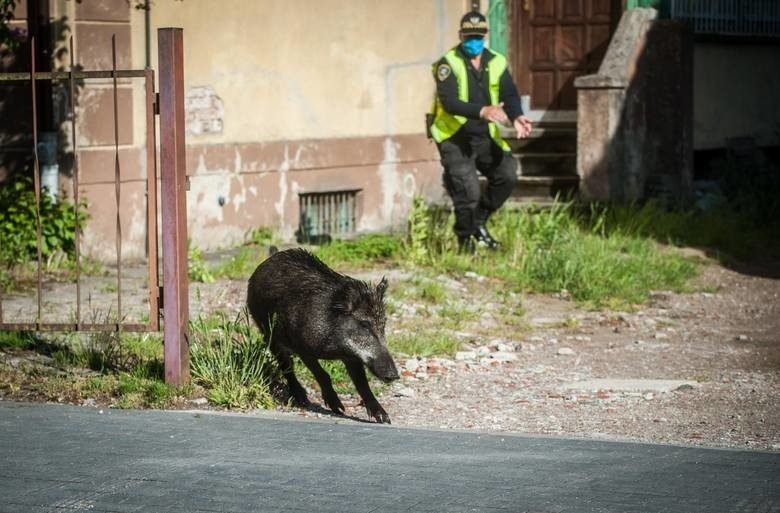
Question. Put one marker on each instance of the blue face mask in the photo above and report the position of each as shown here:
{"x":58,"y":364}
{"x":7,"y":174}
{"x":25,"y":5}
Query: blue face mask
{"x":473,"y":47}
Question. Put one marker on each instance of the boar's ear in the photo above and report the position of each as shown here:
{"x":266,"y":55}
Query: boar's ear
{"x":382,"y":287}
{"x":344,"y":300}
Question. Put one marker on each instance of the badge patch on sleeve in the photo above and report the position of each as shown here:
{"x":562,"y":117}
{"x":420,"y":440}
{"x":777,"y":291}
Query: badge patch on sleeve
{"x":443,"y":71}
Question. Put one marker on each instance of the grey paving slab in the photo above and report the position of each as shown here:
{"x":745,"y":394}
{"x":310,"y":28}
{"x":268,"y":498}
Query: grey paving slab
{"x":67,"y":459}
{"x":661,"y":386}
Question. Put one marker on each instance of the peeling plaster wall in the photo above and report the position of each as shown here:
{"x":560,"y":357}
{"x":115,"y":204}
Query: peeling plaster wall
{"x":240,"y":187}
{"x":281,"y":99}
{"x":284,"y":100}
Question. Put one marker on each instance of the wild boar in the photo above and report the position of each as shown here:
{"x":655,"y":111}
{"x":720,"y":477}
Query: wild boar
{"x":305,"y":308}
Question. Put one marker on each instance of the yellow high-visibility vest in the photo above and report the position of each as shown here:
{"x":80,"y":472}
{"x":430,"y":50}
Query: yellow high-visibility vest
{"x":445,"y":125}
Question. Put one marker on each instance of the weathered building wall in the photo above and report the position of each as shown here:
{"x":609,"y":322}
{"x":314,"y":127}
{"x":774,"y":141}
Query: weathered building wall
{"x":303,"y":70}
{"x":737,"y":93}
{"x":284,"y":99}
{"x":236,"y":187}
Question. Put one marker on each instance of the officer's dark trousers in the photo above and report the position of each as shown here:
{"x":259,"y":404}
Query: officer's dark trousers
{"x":462,"y":157}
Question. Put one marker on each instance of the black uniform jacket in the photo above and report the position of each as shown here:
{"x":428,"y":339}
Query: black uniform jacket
{"x":479,"y":94}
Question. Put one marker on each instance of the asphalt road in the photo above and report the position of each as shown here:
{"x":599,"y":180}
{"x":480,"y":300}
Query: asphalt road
{"x":67,"y":459}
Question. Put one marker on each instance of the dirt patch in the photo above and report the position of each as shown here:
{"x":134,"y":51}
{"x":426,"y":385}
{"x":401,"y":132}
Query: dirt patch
{"x":523,"y":358}
{"x":725,"y":344}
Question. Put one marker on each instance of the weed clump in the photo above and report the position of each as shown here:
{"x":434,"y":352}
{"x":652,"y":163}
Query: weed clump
{"x":232,"y":361}
{"x":558,"y":248}
{"x":366,"y":248}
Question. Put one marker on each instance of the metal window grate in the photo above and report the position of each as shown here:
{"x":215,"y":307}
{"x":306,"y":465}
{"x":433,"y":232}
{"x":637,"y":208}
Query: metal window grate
{"x":324,"y":215}
{"x":744,"y":18}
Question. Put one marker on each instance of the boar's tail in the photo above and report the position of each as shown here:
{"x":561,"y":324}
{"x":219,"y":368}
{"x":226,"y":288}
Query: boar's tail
{"x":272,"y":251}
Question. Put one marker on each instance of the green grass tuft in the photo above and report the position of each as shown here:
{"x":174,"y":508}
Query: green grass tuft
{"x":241,"y":265}
{"x":18,"y":339}
{"x":597,"y":259}
{"x":423,"y":344}
{"x":362,"y":249}
{"x":232,"y":361}
{"x":340,"y":379}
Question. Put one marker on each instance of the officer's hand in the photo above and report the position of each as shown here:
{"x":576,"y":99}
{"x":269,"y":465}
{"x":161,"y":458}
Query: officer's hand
{"x":494,"y":113}
{"x":522,"y":126}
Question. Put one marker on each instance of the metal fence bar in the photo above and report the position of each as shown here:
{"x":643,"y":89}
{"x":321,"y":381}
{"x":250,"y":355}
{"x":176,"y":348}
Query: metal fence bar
{"x":32,"y":77}
{"x":62,"y":326}
{"x":77,"y":241}
{"x":36,"y":177}
{"x":174,"y":205}
{"x":23,"y":76}
{"x":151,"y":204}
{"x":117,"y":188}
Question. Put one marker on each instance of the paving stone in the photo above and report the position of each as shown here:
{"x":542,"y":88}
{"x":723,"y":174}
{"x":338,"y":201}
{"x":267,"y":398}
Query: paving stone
{"x":631,"y":385}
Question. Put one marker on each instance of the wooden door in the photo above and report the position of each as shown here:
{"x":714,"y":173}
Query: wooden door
{"x":554,"y":41}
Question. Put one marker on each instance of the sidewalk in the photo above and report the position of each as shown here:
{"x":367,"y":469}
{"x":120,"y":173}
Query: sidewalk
{"x":62,"y":458}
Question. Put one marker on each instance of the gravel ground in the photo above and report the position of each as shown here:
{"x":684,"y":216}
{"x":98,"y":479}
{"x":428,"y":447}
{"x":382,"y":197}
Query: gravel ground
{"x":699,"y":368}
{"x":704,"y":367}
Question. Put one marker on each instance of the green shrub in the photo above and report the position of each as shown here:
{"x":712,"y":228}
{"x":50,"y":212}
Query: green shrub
{"x":197,"y":268}
{"x":18,"y":223}
{"x":429,"y":234}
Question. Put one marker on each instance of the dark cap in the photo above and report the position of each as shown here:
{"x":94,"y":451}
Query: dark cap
{"x":473,"y":24}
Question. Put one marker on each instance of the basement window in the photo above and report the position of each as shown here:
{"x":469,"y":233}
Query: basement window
{"x":326,"y":215}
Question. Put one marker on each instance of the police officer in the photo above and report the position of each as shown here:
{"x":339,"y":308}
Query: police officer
{"x":475,"y":93}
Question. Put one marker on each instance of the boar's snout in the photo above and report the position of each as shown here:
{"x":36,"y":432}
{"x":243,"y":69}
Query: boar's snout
{"x":384,"y":368}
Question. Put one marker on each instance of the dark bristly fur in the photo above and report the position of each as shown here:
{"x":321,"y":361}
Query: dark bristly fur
{"x":308,"y":309}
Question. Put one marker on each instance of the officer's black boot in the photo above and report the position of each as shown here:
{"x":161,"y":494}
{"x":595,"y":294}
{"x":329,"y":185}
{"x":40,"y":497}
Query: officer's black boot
{"x":481,"y":234}
{"x":484,"y":239}
{"x":466,"y":245}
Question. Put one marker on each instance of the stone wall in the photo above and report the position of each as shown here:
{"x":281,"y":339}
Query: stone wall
{"x":635,"y":116}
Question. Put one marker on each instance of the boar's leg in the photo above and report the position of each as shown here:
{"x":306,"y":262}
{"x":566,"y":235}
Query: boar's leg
{"x":358,"y":375}
{"x":286,"y":367}
{"x":329,"y":395}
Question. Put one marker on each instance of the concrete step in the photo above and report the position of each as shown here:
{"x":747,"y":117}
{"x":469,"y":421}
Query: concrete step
{"x":529,"y":203}
{"x":545,"y":186}
{"x":546,"y":164}
{"x":545,"y":139}
{"x":541,"y":189}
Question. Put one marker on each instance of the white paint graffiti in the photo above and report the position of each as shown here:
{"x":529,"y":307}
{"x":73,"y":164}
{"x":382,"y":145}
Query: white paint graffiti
{"x":396,"y":187}
{"x":285,"y":186}
{"x":204,"y":111}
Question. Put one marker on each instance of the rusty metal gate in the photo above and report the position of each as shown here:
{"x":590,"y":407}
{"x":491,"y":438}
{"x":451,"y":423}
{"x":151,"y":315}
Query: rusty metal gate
{"x":167,"y":296}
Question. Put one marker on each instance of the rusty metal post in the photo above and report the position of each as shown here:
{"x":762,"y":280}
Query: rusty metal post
{"x":76,"y":212}
{"x":151,"y":202}
{"x":173,"y":174}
